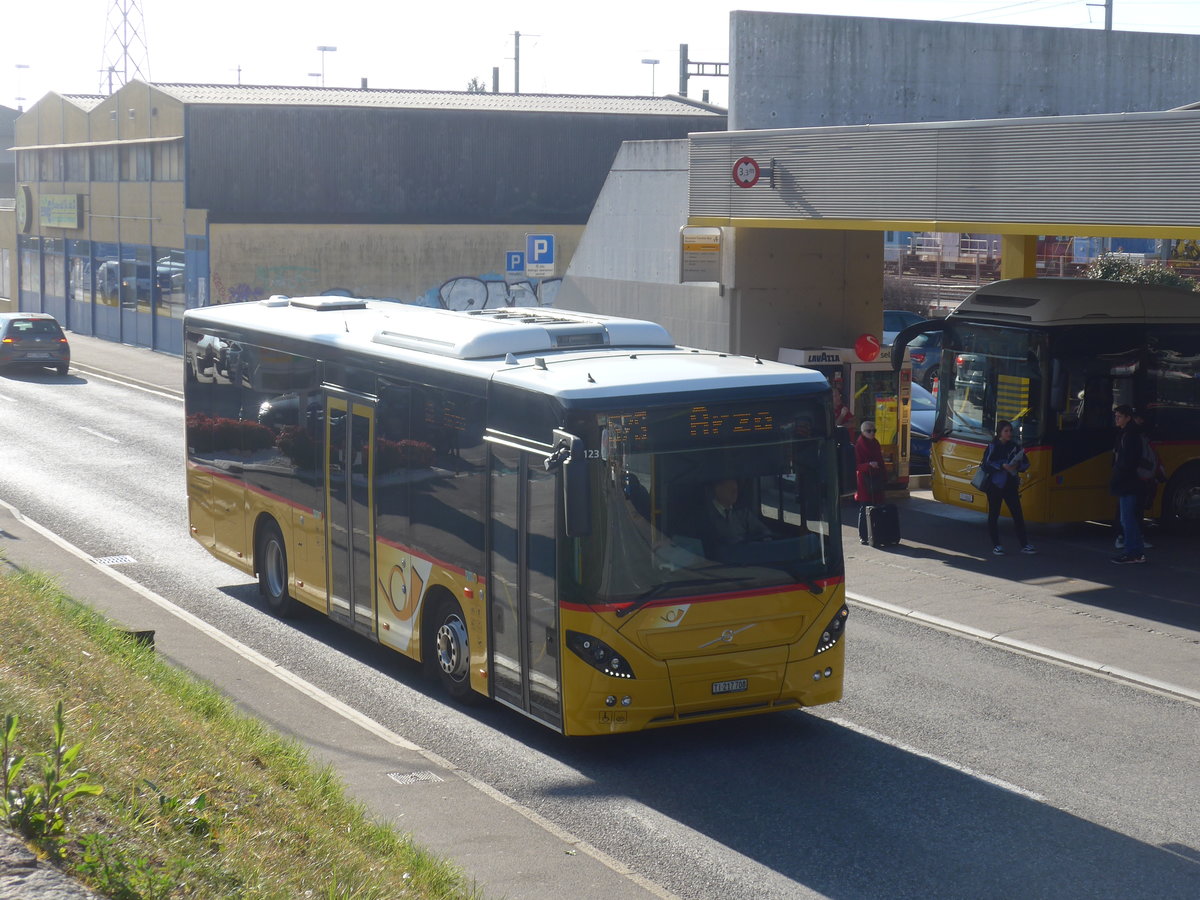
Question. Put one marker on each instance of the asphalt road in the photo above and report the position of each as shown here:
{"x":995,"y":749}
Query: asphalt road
{"x":1012,"y":727}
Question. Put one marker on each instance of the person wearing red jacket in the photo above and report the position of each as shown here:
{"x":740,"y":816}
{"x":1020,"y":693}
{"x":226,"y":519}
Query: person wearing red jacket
{"x":871,"y":474}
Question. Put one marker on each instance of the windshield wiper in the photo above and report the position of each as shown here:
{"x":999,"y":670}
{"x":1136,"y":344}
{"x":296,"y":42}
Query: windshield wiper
{"x":659,"y":589}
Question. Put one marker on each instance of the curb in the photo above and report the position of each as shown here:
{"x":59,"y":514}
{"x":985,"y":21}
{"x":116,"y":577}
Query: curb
{"x":1066,"y":659}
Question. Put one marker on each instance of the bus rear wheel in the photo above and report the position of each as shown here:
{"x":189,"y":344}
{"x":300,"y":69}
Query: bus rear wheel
{"x":450,"y":649}
{"x":1181,"y":502}
{"x":271,"y":560}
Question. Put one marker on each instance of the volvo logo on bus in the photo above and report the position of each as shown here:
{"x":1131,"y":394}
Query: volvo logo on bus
{"x":726,"y":636}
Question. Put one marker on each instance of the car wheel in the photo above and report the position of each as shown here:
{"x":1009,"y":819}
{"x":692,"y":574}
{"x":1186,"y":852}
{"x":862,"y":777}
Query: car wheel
{"x":61,"y":368}
{"x":449,"y":649}
{"x":931,"y":378}
{"x":271,"y":560}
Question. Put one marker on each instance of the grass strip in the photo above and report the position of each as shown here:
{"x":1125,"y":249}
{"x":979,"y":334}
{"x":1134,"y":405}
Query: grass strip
{"x":199,"y":800}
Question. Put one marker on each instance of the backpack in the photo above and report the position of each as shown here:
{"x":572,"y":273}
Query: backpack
{"x":1148,"y":467}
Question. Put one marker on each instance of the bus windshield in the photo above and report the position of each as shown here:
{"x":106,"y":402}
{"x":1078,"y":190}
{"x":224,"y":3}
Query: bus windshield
{"x":991,"y":373}
{"x":702,"y":499}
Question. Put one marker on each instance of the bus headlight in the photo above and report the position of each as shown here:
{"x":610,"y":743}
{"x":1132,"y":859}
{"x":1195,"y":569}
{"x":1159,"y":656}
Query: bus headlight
{"x":598,"y":655}
{"x":833,"y":632}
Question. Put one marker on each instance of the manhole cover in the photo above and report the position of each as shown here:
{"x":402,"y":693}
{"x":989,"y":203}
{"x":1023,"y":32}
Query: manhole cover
{"x":113,"y":560}
{"x":414,"y":777}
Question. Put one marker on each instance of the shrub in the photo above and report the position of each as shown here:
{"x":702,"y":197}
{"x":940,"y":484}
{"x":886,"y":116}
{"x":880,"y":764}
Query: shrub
{"x":1115,"y":267}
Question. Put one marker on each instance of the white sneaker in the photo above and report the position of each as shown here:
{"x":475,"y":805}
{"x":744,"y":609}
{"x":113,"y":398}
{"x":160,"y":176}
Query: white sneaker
{"x":998,"y":550}
{"x":1029,"y":549}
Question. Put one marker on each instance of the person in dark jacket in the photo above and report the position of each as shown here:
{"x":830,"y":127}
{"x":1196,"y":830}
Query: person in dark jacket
{"x":1126,"y":485}
{"x":1004,"y":460}
{"x":871,"y":474}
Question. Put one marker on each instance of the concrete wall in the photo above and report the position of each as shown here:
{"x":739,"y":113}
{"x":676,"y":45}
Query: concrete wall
{"x":800,"y":70}
{"x":628,"y":259}
{"x":402,"y":262}
{"x":801,"y":288}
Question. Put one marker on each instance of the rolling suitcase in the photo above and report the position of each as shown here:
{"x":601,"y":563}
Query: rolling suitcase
{"x":883,"y":525}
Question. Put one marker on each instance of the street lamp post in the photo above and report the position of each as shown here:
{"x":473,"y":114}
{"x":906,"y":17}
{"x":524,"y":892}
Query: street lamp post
{"x":19,"y":67}
{"x":323,"y":50}
{"x":652,"y":63}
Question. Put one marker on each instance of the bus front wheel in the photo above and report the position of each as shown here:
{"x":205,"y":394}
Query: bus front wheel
{"x":450,"y":649}
{"x":1181,"y":502}
{"x":271,"y":561}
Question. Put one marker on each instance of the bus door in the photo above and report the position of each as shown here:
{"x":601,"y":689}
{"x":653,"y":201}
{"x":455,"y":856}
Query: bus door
{"x":522,"y":604}
{"x":350,"y":534}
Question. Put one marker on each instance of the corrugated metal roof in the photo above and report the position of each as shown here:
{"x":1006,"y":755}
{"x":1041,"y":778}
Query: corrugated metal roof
{"x":410,"y":99}
{"x":86,"y":102}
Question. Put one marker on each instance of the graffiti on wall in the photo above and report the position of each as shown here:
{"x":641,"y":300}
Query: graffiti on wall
{"x":461,"y":292}
{"x":492,"y":292}
{"x":291,"y":281}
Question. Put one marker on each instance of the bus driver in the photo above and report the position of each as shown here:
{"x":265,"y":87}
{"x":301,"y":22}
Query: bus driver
{"x":725,"y":523}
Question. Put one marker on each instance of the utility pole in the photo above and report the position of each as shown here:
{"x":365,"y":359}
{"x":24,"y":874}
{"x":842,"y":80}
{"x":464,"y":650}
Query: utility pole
{"x":516,"y":62}
{"x":692,"y":69}
{"x":1108,"y":13}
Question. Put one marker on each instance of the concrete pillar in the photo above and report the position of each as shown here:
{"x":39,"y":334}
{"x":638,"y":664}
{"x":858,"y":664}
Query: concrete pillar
{"x":1018,"y":255}
{"x":795,"y":287}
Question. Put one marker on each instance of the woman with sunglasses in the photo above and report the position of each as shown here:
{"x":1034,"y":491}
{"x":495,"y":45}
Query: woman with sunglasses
{"x":872,"y":476}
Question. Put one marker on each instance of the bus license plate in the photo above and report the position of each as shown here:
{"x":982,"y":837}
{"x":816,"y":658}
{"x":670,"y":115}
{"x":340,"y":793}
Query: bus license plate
{"x":730,"y":687}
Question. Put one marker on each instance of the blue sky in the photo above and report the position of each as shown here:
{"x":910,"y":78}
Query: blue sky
{"x":565,"y":47}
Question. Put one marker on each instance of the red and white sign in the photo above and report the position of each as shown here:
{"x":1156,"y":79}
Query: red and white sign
{"x":867,"y":347}
{"x":746,"y":172}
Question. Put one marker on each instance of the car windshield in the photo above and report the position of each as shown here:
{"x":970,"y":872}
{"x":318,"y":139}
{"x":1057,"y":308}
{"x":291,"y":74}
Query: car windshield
{"x":992,"y":373}
{"x":738,"y":508}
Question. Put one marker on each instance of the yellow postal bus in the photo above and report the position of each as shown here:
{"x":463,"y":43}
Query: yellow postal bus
{"x":1053,"y":356}
{"x":520,"y":497}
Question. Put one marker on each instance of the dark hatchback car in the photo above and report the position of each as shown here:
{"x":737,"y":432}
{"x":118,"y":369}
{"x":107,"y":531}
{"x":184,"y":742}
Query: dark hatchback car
{"x":33,"y":339}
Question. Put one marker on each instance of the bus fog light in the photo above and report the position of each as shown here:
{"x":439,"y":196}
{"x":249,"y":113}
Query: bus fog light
{"x":626,"y":701}
{"x":816,"y":676}
{"x":610,"y":700}
{"x":829,"y":673}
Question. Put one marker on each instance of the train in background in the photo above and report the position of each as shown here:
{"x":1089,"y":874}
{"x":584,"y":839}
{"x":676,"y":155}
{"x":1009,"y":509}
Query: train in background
{"x":976,"y":257}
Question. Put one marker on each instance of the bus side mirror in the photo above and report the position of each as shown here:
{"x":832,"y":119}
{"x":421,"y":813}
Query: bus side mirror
{"x":577,"y":507}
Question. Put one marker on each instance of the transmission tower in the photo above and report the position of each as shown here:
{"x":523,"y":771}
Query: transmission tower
{"x":126,"y":55}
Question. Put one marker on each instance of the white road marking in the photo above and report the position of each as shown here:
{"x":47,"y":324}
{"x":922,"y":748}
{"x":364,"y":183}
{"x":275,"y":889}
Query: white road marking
{"x":940,"y":760}
{"x":9,"y":399}
{"x":1013,"y":645}
{"x":99,"y":434}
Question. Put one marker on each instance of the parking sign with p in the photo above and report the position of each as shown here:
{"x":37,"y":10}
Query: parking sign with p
{"x":539,"y":255}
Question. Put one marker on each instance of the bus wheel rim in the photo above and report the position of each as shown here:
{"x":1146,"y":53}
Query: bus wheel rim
{"x":452,"y":647}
